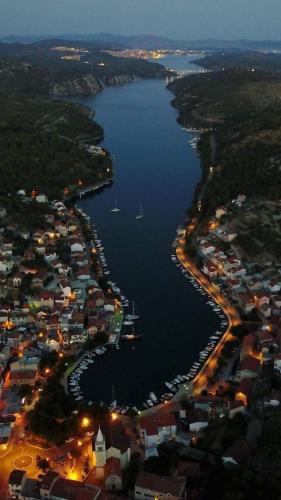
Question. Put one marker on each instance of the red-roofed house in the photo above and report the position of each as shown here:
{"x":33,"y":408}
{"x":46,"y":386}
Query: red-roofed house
{"x":247,"y":302}
{"x":113,"y":474}
{"x":248,"y":346}
{"x":261,"y":298}
{"x":23,"y":377}
{"x":154,"y":430}
{"x":153,"y":486}
{"x":244,"y":390}
{"x":249,"y":367}
{"x":210,"y":270}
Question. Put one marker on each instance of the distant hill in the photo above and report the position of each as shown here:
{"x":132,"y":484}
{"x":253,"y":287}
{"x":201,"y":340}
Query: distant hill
{"x":262,"y":61}
{"x":110,"y":40}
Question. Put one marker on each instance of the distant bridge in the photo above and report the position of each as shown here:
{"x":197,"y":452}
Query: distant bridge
{"x":182,"y":73}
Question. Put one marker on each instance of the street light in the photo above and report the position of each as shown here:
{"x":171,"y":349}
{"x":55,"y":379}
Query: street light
{"x":85,"y":422}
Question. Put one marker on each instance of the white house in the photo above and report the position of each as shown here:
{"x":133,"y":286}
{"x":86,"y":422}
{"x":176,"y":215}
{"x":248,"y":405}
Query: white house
{"x":220,"y":211}
{"x":207,"y":248}
{"x":76,"y":247}
{"x":41,"y":198}
{"x":65,"y":287}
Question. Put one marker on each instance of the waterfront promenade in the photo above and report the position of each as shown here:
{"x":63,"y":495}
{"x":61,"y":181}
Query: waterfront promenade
{"x":200,"y":381}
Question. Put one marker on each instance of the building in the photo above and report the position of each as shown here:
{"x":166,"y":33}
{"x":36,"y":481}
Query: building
{"x":150,"y":485}
{"x":154,"y":430}
{"x":66,"y":489}
{"x":220,"y":211}
{"x":51,"y":487}
{"x":111,"y":442}
{"x":237,"y":453}
{"x":113,"y":475}
{"x":15,"y":482}
{"x":249,"y":367}
{"x":244,"y":390}
{"x":248,"y":346}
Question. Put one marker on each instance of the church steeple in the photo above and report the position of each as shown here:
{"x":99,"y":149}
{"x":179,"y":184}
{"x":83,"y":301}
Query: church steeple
{"x":99,"y":436}
{"x":100,"y":449}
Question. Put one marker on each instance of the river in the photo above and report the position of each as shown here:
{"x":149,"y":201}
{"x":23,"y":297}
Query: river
{"x":154,"y":164}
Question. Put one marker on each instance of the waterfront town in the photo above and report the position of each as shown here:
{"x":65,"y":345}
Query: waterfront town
{"x":58,"y":312}
{"x":165,"y":383}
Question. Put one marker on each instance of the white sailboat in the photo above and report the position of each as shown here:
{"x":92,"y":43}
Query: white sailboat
{"x":140,"y":215}
{"x":132,"y":316}
{"x":115,"y":209}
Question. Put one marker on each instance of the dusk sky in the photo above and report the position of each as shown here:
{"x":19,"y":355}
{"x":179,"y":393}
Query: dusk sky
{"x":186,"y":19}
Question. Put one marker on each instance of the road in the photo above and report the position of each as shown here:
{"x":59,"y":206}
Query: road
{"x":200,"y":382}
{"x":21,"y":454}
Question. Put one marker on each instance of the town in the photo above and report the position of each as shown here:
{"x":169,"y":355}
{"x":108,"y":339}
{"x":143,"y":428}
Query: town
{"x":57,"y":308}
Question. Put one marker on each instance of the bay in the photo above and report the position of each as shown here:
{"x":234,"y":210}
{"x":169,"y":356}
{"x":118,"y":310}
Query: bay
{"x":156,"y":165}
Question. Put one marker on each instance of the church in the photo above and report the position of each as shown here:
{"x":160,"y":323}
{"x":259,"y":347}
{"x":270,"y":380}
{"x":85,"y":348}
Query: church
{"x":111,"y":454}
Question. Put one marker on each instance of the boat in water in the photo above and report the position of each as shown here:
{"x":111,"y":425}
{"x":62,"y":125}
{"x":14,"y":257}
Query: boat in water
{"x":130,"y":336}
{"x":153,"y":397}
{"x":115,"y":209}
{"x":140,"y":214}
{"x":133,"y":316}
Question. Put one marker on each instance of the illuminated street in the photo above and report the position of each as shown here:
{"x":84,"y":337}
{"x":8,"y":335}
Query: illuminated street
{"x":201,"y":379}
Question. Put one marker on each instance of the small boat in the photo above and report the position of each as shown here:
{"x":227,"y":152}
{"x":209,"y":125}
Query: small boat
{"x":153,"y":397}
{"x":166,"y":396}
{"x":169,"y":385}
{"x":131,"y":336}
{"x":140,"y":214}
{"x":115,"y":209}
{"x":133,"y":315}
{"x":128,"y":323}
{"x":149,"y":402}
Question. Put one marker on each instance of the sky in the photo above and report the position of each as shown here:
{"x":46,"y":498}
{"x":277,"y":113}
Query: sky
{"x":181,"y":19}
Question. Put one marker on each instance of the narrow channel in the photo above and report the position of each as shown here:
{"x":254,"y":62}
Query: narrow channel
{"x":154,"y":164}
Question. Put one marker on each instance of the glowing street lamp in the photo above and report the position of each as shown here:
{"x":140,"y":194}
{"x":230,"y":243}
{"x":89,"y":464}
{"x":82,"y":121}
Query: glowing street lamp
{"x":85,"y":422}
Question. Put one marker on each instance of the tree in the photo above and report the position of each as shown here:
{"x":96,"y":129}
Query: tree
{"x":25,"y":391}
{"x":42,"y":463}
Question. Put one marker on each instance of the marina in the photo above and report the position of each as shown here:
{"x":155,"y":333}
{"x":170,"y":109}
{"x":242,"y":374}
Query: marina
{"x":176,"y":321}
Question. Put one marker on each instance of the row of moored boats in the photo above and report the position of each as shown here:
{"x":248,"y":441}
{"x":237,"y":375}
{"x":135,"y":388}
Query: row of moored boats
{"x":74,"y":379}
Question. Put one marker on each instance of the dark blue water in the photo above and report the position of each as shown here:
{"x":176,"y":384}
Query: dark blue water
{"x":155,"y":164}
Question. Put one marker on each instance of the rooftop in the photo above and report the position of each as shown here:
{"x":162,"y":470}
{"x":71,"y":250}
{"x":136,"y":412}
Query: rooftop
{"x":161,"y":484}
